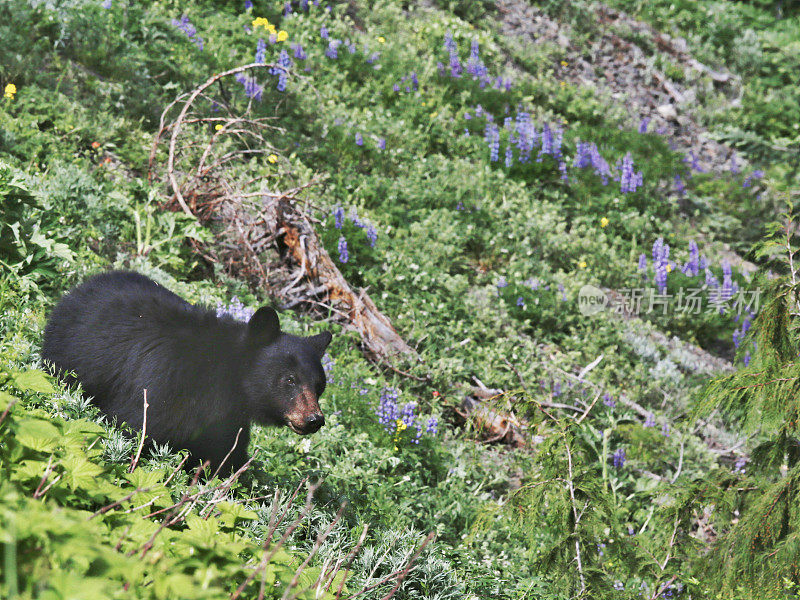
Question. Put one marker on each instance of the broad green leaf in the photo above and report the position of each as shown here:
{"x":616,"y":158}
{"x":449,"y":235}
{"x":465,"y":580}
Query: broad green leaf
{"x":29,"y":469}
{"x":232,"y":512}
{"x":79,"y":472}
{"x":38,"y":434}
{"x":200,"y":530}
{"x":142,"y":478}
{"x":5,"y":400}
{"x":33,"y":381}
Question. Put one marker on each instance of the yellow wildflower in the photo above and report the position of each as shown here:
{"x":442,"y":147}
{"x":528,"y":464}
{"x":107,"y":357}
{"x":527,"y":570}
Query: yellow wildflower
{"x":433,"y":115}
{"x":282,"y":36}
{"x":9,"y":91}
{"x":669,"y":268}
{"x":272,"y":158}
{"x":563,"y":84}
{"x":582,"y":264}
{"x":381,"y":40}
{"x":563,"y":63}
{"x":604,"y":222}
{"x":218,"y":126}
{"x":262,"y":22}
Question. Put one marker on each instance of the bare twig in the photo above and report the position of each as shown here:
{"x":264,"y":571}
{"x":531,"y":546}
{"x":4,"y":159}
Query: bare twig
{"x":135,"y":460}
{"x":349,"y":560}
{"x":8,"y":409}
{"x":575,"y":515}
{"x":45,"y":475}
{"x":228,"y":455}
{"x":138,"y":490}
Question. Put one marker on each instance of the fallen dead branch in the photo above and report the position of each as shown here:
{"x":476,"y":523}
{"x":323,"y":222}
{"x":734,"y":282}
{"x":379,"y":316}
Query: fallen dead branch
{"x":256,"y":219}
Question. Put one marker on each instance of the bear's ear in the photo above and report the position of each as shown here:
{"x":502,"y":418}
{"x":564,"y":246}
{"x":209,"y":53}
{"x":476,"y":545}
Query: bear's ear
{"x":320,"y":341}
{"x":264,"y":325}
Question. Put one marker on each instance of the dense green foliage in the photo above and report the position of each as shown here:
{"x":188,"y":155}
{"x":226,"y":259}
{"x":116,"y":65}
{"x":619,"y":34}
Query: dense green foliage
{"x":478,"y":260}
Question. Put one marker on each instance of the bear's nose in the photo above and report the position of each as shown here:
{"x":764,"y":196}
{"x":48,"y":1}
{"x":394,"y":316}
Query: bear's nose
{"x":314,"y":422}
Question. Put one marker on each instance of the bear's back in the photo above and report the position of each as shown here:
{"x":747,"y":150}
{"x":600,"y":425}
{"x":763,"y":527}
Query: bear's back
{"x":120,"y":333}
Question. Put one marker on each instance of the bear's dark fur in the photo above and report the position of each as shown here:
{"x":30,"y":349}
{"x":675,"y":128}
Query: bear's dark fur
{"x":206,"y":377}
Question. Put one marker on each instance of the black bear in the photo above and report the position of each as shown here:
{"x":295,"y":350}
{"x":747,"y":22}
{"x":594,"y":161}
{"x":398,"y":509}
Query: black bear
{"x":207,"y":377}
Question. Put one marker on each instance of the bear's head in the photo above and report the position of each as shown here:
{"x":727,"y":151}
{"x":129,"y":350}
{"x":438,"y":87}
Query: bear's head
{"x":284,"y":376}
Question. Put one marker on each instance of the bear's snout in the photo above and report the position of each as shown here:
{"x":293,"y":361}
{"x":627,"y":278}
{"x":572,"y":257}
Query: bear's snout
{"x":305,"y":416}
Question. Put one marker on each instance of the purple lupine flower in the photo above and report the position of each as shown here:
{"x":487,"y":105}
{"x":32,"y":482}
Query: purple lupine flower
{"x":547,"y":142}
{"x":599,"y":164}
{"x":556,"y":389}
{"x":432,"y":426}
{"x":359,"y":139}
{"x":618,"y":458}
{"x":414,"y":81}
{"x":492,"y":137}
{"x":323,"y":32}
{"x":284,"y":62}
{"x":252,"y":89}
{"x":299,"y":53}
{"x":557,"y":139}
{"x":333,"y":49}
{"x":261,"y":51}
{"x":692,"y":267}
{"x":338,"y":217}
{"x":526,"y":136}
{"x":396,"y":87}
{"x":372,"y":236}
{"x":582,"y":158}
{"x":643,"y":262}
{"x":562,"y":167}
{"x":304,"y":4}
{"x":727,"y":281}
{"x":388,"y":411}
{"x":629,"y":180}
{"x":344,"y":255}
{"x":509,"y":157}
{"x":287,"y":9}
{"x":449,"y":43}
{"x":691,"y":159}
{"x":235,"y":309}
{"x":356,"y":221}
{"x":650,"y":420}
{"x":382,"y":143}
{"x":746,"y":359}
{"x":520,"y":302}
{"x":373,"y":58}
{"x":665,"y":429}
{"x":106,"y":4}
{"x":475,"y":66}
{"x":188,"y":29}
{"x":327,"y":363}
{"x":643,"y":125}
{"x":452,"y":49}
{"x":734,"y":164}
{"x":660,"y":263}
{"x":407,"y":414}
{"x":248,"y":4}
{"x":563,"y":293}
{"x":609,"y":401}
{"x":711,"y":281}
{"x":501,"y":283}
{"x":679,"y":187}
{"x":351,"y":47}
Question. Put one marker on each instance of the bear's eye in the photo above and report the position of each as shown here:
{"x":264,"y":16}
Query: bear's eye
{"x":289,"y":380}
